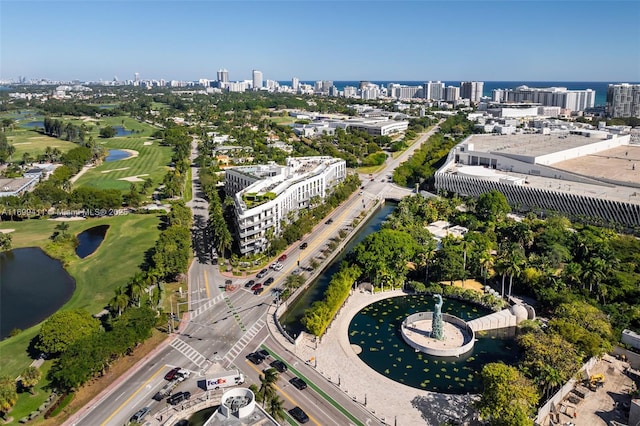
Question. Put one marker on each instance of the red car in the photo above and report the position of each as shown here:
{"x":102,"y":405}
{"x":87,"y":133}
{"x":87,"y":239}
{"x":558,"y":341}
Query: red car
{"x":282,"y":258}
{"x":172,"y":374}
{"x":257,"y":286}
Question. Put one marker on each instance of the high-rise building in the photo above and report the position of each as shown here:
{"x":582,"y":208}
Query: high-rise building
{"x":452,"y":93}
{"x":574,"y":100}
{"x":623,"y":100}
{"x":433,"y":90}
{"x":136,"y":77}
{"x":223,"y":76}
{"x":295,"y":82}
{"x":471,"y":90}
{"x":257,"y":80}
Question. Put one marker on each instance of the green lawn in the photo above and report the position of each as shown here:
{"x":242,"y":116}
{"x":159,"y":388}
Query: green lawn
{"x":151,"y":162}
{"x":283,"y":120}
{"x":28,"y":402}
{"x":25,"y":140}
{"x":116,"y":260}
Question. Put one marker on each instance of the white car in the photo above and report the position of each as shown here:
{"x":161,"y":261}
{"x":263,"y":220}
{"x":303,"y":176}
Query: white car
{"x":183,"y":374}
{"x":277,"y":267}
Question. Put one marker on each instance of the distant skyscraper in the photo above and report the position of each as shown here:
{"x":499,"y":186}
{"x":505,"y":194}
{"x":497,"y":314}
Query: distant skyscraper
{"x":136,"y":77}
{"x":471,"y":90}
{"x":433,"y":90}
{"x":452,"y":93}
{"x":295,"y":83}
{"x":257,"y":80}
{"x":623,"y":100}
{"x":223,"y":76}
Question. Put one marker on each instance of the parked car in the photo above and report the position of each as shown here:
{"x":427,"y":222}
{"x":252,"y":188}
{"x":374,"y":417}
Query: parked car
{"x":262,"y":273}
{"x":178,"y":397}
{"x":249,"y":283}
{"x":304,"y":246}
{"x":329,"y":222}
{"x":269,"y":281}
{"x":282,"y":258}
{"x":255,"y":358}
{"x":263,"y":352}
{"x":139,"y":415}
{"x":298,"y":414}
{"x":172,"y":374}
{"x":298,"y":383}
{"x":256,"y":286}
{"x":279,"y":365}
{"x":259,"y":291}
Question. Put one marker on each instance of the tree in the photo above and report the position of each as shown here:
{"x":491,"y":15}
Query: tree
{"x":508,"y":398}
{"x":120,"y":300}
{"x":108,"y":132}
{"x":64,"y":328}
{"x":30,"y":377}
{"x":5,"y":242}
{"x":267,"y":385}
{"x":276,"y":407}
{"x":8,"y":395}
{"x":492,"y":205}
{"x":62,"y":227}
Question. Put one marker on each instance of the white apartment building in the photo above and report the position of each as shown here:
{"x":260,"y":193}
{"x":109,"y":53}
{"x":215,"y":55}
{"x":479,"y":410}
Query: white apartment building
{"x":452,"y":93}
{"x":350,"y":92}
{"x":574,"y":100}
{"x":268,"y":196}
{"x":433,"y":90}
{"x":223,"y":76}
{"x":471,"y":90}
{"x":623,"y":100}
{"x":295,"y":82}
{"x":401,"y":91}
{"x":257,"y":80}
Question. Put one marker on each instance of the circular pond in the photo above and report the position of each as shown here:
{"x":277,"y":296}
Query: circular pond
{"x":32,"y":287}
{"x":376,"y":330}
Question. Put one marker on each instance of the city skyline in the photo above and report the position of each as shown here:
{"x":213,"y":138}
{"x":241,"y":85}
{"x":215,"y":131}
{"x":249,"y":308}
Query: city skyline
{"x":356,"y":40}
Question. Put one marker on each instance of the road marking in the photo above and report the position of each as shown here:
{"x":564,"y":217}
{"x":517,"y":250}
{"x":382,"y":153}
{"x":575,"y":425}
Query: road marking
{"x":132,"y":395}
{"x":286,"y":395}
{"x":206,"y":284}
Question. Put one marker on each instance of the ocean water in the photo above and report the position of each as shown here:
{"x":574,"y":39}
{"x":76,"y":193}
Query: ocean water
{"x":600,"y":87}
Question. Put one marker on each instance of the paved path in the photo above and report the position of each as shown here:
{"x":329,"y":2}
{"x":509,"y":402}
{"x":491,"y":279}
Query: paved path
{"x":388,"y":400}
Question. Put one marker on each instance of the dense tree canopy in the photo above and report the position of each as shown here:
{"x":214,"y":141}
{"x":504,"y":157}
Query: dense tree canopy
{"x":63,"y":328}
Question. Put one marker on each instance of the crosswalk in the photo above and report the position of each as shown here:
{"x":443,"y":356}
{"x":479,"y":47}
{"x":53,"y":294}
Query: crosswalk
{"x":202,"y":308}
{"x":190,"y":353}
{"x":243,"y":342}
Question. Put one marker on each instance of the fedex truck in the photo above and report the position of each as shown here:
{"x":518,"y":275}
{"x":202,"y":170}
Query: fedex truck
{"x":220,"y":382}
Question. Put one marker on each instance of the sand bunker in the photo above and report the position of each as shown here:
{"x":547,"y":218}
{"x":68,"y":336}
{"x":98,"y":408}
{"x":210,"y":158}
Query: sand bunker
{"x":6,"y":231}
{"x":23,"y":143}
{"x":133,"y":153}
{"x":114,"y":170}
{"x":68,"y":218}
{"x":135,"y":178}
{"x":148,"y":143}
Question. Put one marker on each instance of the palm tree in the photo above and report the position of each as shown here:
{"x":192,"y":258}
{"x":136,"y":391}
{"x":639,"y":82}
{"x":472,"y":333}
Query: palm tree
{"x":595,"y":272}
{"x":267,"y":384}
{"x":501,"y":267}
{"x":486,"y":262}
{"x":275,"y":407}
{"x":8,"y":394}
{"x":62,"y":227}
{"x":136,"y":288}
{"x":120,"y":301}
{"x":572,"y":273}
{"x":515,"y":261}
{"x":30,"y":377}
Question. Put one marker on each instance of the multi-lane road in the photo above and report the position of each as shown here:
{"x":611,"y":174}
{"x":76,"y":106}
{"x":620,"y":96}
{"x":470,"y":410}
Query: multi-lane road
{"x":220,"y":328}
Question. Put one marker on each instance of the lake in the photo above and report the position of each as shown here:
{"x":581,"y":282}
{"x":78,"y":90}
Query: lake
{"x":116,"y":155}
{"x":90,"y":239}
{"x":33,"y":286}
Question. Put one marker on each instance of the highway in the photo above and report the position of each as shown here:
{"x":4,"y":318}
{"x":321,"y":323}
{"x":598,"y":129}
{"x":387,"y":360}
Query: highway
{"x":219,"y":328}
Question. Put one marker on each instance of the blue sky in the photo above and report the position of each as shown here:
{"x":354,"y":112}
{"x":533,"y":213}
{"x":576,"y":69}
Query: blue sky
{"x":346,"y":40}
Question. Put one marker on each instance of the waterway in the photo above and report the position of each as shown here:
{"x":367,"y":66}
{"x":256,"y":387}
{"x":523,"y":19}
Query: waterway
{"x":32,"y":287}
{"x":90,"y":239}
{"x":291,"y":318}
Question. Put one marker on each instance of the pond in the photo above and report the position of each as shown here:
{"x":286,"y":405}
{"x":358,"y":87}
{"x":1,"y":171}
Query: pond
{"x":90,"y":239}
{"x":33,"y":286}
{"x":33,"y":124}
{"x":116,"y":155}
{"x":121,"y":131}
{"x":376,"y":330}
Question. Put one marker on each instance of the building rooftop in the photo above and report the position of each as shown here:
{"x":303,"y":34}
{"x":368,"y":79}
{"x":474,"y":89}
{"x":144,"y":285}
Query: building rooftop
{"x":615,"y":164}
{"x":534,"y":145}
{"x":13,"y":184}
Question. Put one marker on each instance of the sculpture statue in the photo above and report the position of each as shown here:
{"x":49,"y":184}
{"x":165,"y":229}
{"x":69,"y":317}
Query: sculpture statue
{"x":437,"y":330}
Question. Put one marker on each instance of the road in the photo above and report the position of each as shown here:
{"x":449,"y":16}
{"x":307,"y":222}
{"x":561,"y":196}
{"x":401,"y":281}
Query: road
{"x":219,"y":328}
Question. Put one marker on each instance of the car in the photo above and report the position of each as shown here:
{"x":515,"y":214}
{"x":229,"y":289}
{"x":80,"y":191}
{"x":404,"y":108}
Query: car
{"x":263,"y":352}
{"x":279,"y":365}
{"x":259,"y":291}
{"x":329,"y":222}
{"x":277,"y":266}
{"x":139,"y":415}
{"x":255,"y":358}
{"x":296,"y":271}
{"x":256,"y":286}
{"x":269,"y":281}
{"x":262,"y":273}
{"x":304,"y":246}
{"x":298,"y":383}
{"x":249,"y":284}
{"x":182,"y":374}
{"x":298,"y":414}
{"x":172,"y":374}
{"x":183,"y":422}
{"x":282,"y":258}
{"x":178,"y":397}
